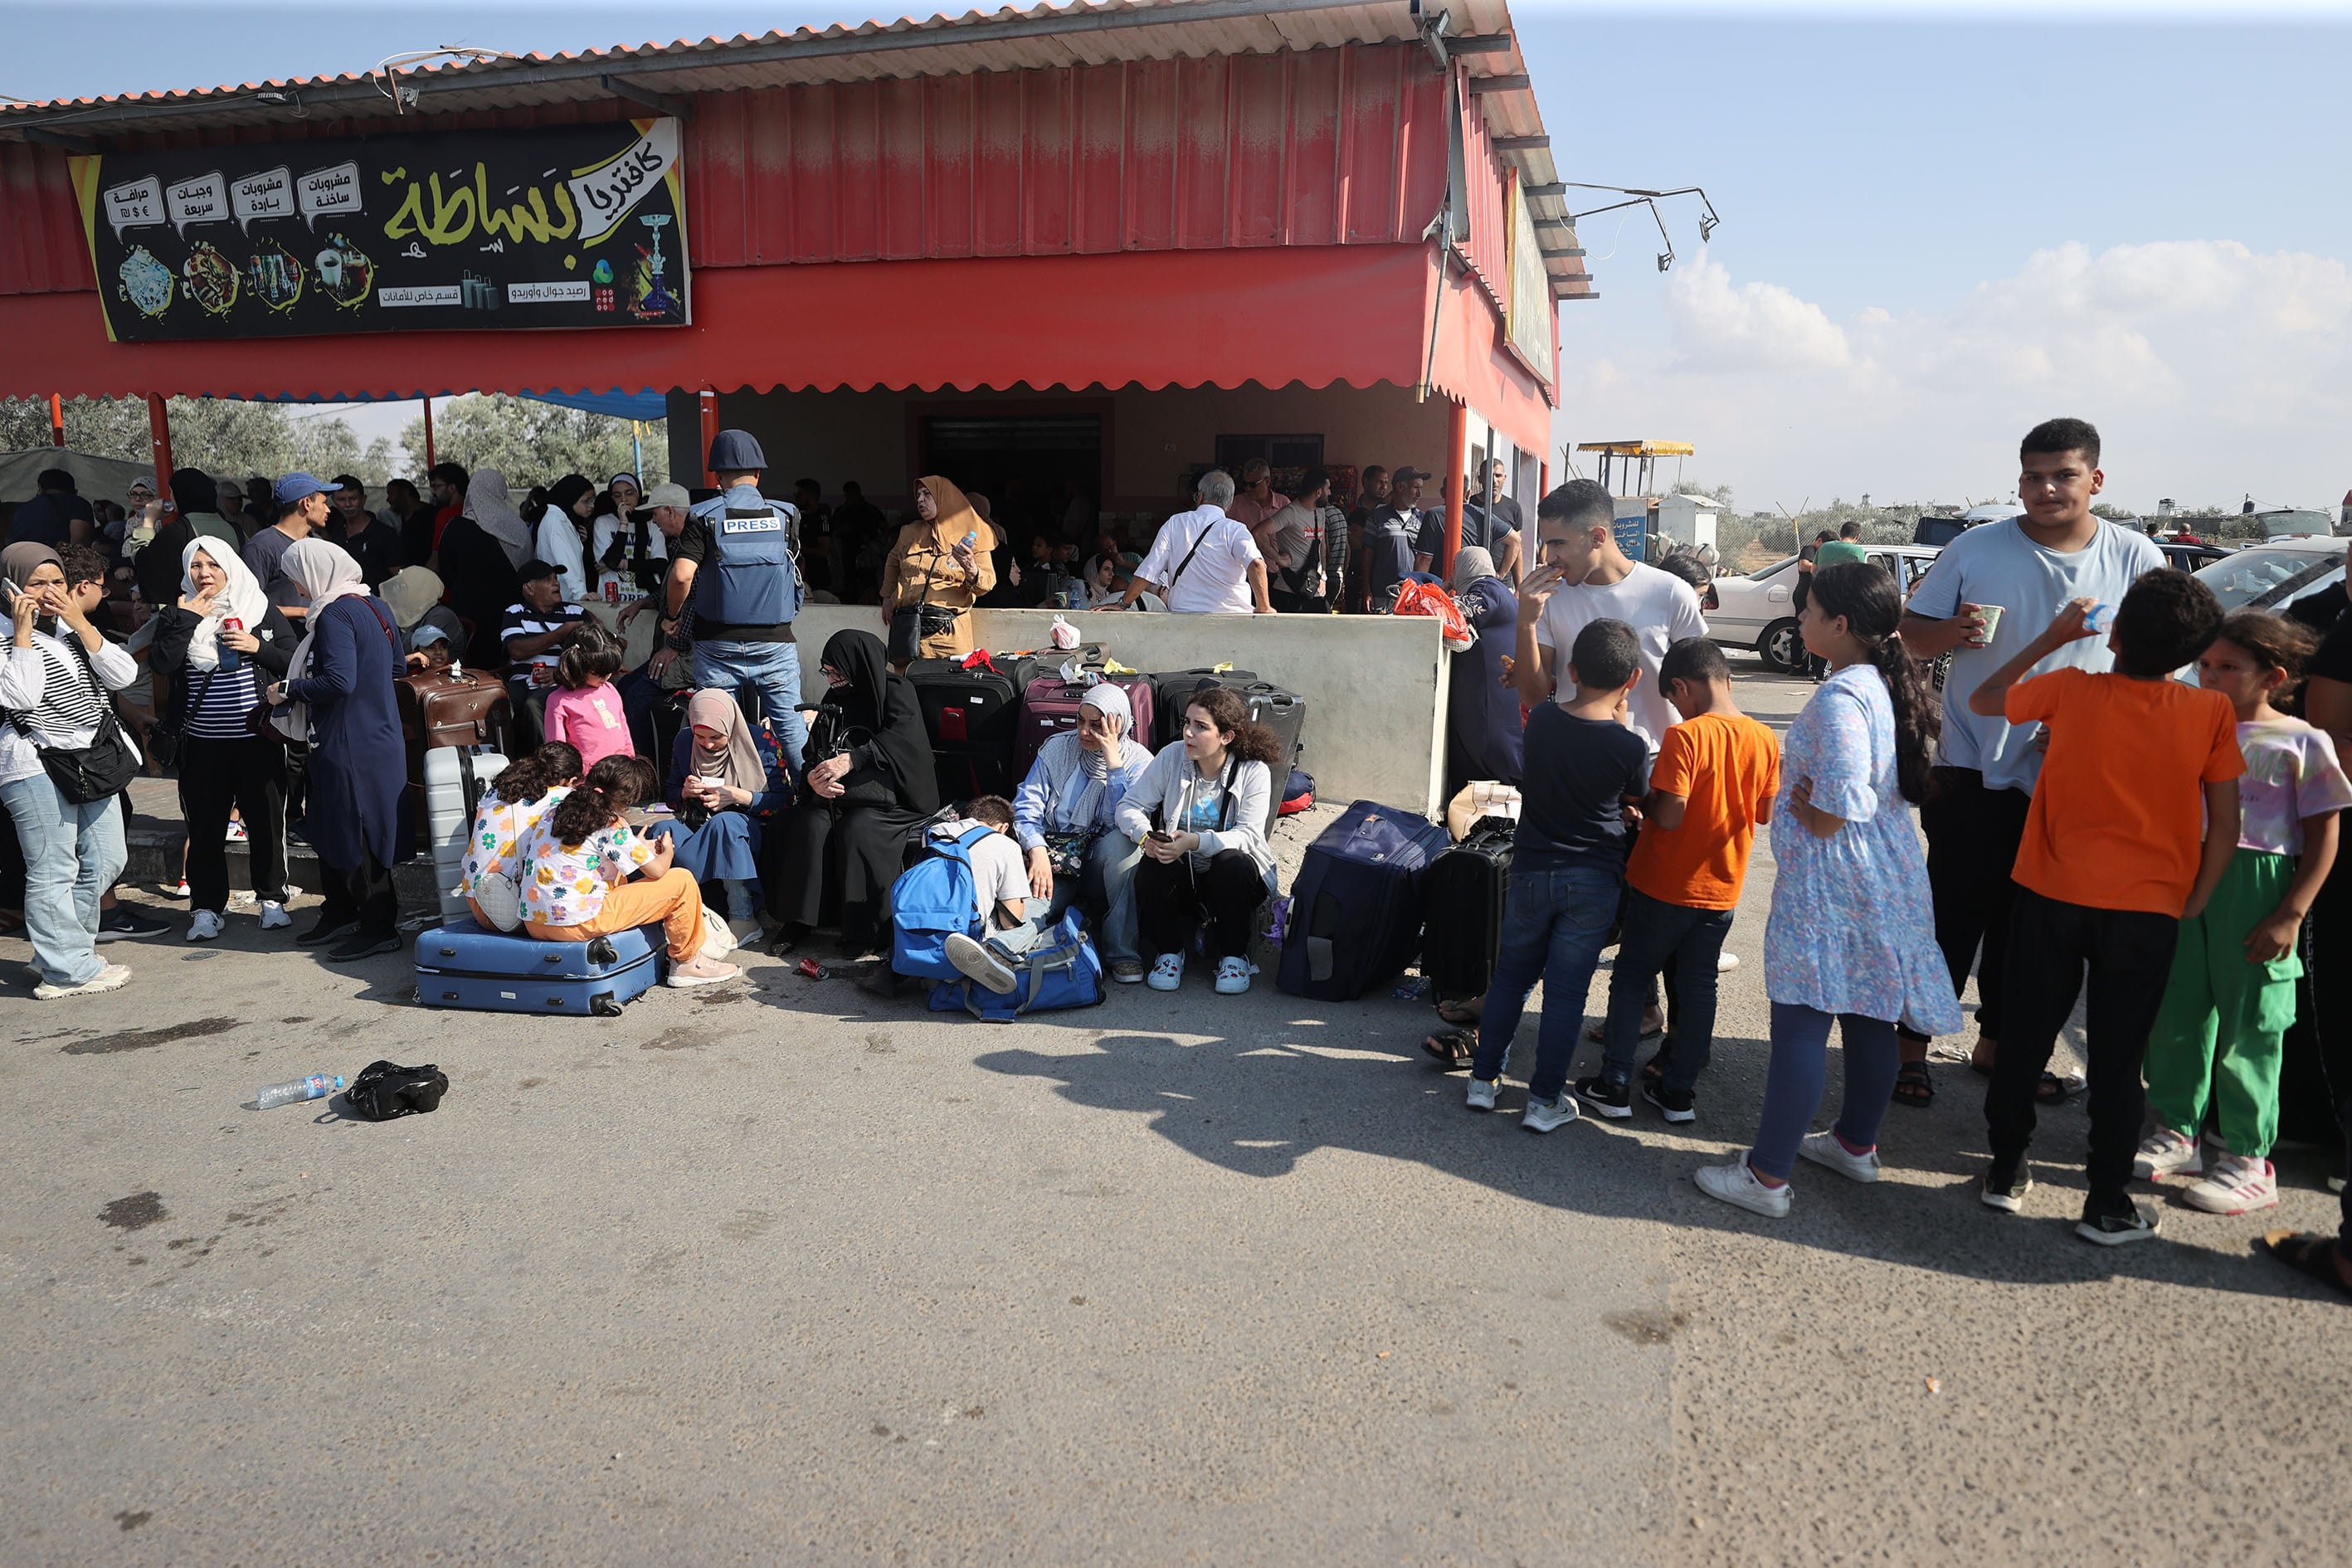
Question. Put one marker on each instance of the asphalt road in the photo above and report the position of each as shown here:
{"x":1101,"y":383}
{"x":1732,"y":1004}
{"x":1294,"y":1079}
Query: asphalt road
{"x":775,"y":1273}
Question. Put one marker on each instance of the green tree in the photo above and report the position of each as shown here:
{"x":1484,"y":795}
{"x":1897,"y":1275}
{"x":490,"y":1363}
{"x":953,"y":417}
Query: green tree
{"x":534,"y":443}
{"x":219,"y":435}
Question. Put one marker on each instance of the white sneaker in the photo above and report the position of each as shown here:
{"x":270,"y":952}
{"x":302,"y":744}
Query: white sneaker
{"x":1725,"y":962}
{"x":113,"y":977}
{"x":1824,"y":1149}
{"x":1482,"y":1093}
{"x":204,"y":926}
{"x":975,"y":962}
{"x":1542,"y":1116}
{"x":173,"y":890}
{"x":2239,"y":1184}
{"x":1233,"y":975}
{"x":1736,"y":1185}
{"x":2167,"y":1154}
{"x":235,"y":834}
{"x":274,"y":915}
{"x":1167,"y":973}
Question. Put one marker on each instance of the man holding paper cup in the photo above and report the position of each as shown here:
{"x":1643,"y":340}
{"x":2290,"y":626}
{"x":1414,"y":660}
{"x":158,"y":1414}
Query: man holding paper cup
{"x":1987,"y":594}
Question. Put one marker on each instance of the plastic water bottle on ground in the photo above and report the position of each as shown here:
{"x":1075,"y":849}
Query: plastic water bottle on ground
{"x":318,"y":1086}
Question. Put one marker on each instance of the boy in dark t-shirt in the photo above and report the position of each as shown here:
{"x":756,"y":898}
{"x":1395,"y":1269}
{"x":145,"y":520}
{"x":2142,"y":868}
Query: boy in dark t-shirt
{"x":1568,"y":868}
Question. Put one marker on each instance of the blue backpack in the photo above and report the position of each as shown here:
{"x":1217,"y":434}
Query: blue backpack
{"x":933,"y":898}
{"x":1062,"y":971}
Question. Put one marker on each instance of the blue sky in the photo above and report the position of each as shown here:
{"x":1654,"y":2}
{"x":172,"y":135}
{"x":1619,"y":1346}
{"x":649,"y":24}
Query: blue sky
{"x":1936,"y":230}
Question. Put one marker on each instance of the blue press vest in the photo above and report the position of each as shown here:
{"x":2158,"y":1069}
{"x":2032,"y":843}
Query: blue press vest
{"x":752,"y":577}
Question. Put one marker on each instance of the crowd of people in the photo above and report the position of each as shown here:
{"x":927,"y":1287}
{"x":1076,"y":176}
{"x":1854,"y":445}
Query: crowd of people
{"x":2089,"y":817}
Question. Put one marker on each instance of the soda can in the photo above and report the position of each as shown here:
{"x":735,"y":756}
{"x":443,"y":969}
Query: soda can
{"x":612,"y":592}
{"x":814,"y":970}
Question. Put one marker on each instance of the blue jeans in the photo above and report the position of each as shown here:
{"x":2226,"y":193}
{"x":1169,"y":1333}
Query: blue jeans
{"x":1793,"y":1083}
{"x":1554,"y":924}
{"x":1654,"y":931}
{"x":1105,"y":891}
{"x":774,"y":669}
{"x":73,"y":853}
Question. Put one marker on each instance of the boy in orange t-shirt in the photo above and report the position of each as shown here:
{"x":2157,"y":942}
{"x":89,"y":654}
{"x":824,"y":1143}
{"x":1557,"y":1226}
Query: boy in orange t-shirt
{"x":2132,"y":827}
{"x":1713,"y":781}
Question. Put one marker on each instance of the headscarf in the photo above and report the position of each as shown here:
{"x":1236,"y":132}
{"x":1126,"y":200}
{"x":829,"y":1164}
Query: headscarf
{"x":19,"y":562}
{"x":885,"y":704}
{"x":326,"y":572}
{"x":195,"y":497}
{"x":1079,"y":800}
{"x":954,"y":517}
{"x":240,"y":596}
{"x":564,"y":494}
{"x":193,"y":490}
{"x":487,"y":505}
{"x":1470,"y":564}
{"x":410,"y":592}
{"x":737,"y":761}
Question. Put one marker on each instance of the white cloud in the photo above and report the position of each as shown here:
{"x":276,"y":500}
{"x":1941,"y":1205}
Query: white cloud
{"x":2212,"y":370}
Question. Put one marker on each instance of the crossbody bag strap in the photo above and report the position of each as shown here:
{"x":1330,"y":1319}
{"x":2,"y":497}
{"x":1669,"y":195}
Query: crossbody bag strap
{"x":1189,"y":554}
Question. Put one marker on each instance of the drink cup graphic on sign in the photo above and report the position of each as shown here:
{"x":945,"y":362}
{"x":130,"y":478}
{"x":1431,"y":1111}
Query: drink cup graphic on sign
{"x":136,"y":205}
{"x":203,"y":199}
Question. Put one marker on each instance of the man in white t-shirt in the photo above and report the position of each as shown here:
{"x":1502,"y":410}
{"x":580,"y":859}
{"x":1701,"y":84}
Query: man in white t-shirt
{"x":1982,"y":784}
{"x":1582,"y":577}
{"x":999,"y":880}
{"x":1204,"y":563}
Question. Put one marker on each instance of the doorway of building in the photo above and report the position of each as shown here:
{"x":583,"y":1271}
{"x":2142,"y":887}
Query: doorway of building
{"x":1026,"y":464}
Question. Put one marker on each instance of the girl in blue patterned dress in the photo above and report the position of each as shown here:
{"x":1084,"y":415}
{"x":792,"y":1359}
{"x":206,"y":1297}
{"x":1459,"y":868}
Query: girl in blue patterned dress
{"x":1850,"y":938}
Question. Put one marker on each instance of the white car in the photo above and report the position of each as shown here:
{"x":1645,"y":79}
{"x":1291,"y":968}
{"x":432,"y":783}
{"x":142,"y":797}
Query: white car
{"x":2276,"y":573}
{"x":1753,"y":611}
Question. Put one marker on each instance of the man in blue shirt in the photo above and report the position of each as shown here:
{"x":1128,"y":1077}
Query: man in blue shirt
{"x":737,"y":558}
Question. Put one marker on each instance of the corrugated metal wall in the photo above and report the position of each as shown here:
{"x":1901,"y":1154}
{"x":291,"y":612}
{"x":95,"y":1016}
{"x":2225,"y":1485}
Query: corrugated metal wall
{"x":1320,"y":147}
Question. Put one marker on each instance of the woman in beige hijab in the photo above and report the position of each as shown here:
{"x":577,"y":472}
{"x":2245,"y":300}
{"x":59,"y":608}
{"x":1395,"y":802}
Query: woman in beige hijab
{"x":939,"y":566}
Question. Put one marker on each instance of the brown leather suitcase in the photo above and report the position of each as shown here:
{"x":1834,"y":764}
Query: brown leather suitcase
{"x":437,"y":709}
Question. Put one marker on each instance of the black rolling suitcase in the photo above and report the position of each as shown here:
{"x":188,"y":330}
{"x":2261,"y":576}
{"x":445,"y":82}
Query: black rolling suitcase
{"x":1355,"y":909}
{"x":1462,"y":896}
{"x":974,"y":719}
{"x":1172,"y":689}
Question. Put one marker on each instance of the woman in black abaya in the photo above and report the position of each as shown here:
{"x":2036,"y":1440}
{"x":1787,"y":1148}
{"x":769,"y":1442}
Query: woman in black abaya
{"x":835,"y":853}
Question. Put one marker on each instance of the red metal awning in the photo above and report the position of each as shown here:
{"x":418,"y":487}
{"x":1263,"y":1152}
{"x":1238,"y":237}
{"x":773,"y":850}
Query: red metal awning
{"x":1358,"y":314}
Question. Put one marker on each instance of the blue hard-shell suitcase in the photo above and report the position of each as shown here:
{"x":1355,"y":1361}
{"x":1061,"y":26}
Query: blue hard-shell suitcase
{"x":462,"y":965}
{"x":1355,"y":909}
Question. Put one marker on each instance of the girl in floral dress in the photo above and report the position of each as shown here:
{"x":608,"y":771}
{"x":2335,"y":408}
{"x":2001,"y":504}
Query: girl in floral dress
{"x":1851,"y":939}
{"x":510,"y":807}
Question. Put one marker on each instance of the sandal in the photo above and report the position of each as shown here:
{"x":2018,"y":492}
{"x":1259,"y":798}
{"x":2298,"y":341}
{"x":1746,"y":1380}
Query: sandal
{"x":1451,"y":1048}
{"x":2311,"y":1255}
{"x":1914,"y":1087}
{"x":2054,"y":1089}
{"x":1599,"y":1033}
{"x":1462,"y":1013}
{"x":1655,"y":1069}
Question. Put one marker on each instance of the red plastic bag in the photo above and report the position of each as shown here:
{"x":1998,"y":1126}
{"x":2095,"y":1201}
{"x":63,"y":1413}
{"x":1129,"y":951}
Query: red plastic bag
{"x":1428,"y":599}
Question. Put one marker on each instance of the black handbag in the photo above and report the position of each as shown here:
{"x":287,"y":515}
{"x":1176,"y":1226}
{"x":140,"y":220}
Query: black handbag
{"x":164,"y":735}
{"x":104,"y":768}
{"x":386,"y":1090}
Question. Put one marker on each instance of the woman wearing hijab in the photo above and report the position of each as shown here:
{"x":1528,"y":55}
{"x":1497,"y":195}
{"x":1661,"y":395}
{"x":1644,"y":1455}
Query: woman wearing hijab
{"x":869,"y":780}
{"x":726,"y":780}
{"x":413,"y":594}
{"x":940,"y":565}
{"x":479,"y":551}
{"x":217,"y":673}
{"x":1065,"y":819}
{"x":54,"y":696}
{"x":561,"y":514}
{"x":1483,"y":723}
{"x":342,"y":677}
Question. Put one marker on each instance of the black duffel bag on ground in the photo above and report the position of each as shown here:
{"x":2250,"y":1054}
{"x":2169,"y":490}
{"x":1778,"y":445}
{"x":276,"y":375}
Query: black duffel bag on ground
{"x":386,"y":1090}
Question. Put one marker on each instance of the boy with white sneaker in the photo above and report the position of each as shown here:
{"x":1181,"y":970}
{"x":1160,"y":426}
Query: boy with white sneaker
{"x":1568,"y":866}
{"x":1001,"y":888}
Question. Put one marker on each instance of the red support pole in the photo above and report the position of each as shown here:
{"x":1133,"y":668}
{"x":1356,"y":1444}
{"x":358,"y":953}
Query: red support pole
{"x":708,"y":403}
{"x":428,"y":435}
{"x":57,"y":420}
{"x":1457,"y":446}
{"x":159,"y":431}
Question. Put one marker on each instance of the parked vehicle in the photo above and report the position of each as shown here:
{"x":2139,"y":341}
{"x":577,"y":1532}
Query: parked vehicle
{"x":2190,"y":557}
{"x":2275,"y":574}
{"x":1754,"y":610}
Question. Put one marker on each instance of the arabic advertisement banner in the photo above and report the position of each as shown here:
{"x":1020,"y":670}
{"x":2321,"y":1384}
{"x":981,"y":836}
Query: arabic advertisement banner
{"x":572,"y":225}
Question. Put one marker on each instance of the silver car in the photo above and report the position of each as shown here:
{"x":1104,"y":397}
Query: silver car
{"x":1754,"y":611}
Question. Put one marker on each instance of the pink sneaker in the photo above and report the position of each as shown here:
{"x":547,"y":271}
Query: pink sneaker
{"x":2238,"y":1186}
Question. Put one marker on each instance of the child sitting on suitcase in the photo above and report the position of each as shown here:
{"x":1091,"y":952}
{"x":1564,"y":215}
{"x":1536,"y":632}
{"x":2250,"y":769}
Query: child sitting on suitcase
{"x":1568,"y":866}
{"x":1001,"y":885}
{"x":1713,"y":781}
{"x":586,"y":873}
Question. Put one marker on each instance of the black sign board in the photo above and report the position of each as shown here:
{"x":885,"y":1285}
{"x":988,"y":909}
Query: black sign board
{"x":570,"y":226}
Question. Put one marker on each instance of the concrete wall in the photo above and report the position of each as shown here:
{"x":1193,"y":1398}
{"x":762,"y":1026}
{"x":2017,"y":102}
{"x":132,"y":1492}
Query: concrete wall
{"x":1375,"y":686}
{"x":1151,"y":438}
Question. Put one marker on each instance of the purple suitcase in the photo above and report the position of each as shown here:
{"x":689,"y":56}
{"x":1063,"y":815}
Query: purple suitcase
{"x":1050,"y":706}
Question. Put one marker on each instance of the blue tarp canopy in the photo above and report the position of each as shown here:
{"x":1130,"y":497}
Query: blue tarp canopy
{"x":646,"y":405}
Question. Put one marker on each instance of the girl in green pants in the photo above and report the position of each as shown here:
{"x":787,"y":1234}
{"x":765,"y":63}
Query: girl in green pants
{"x":2232,"y":994}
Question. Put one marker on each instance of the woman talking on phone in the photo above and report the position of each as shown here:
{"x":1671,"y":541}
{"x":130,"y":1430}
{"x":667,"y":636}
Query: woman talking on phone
{"x":935,"y":574}
{"x":1198,"y":811}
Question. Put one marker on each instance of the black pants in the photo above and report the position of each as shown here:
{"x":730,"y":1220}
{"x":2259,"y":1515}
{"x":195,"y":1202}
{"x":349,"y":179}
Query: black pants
{"x":2327,"y":1071}
{"x":365,"y":891}
{"x":529,"y":713}
{"x":1173,"y":900}
{"x":1289,"y":604}
{"x":1973,"y":833}
{"x":2128,"y":955}
{"x":251,"y":776}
